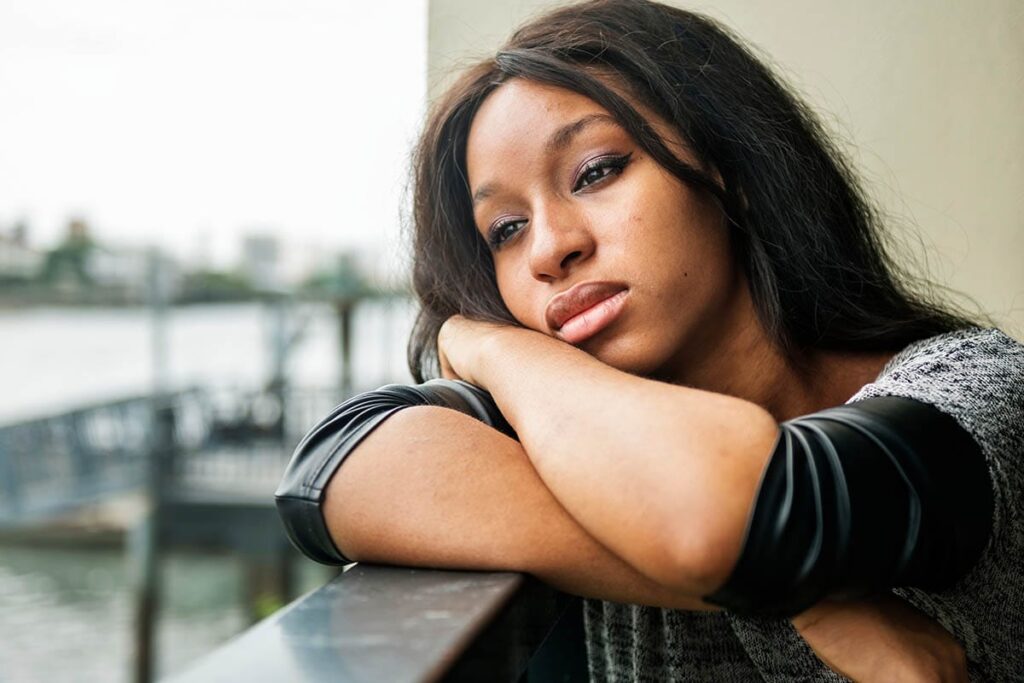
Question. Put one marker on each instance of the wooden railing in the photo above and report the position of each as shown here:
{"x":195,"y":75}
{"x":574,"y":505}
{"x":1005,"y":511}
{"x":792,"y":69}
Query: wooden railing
{"x":377,"y":623}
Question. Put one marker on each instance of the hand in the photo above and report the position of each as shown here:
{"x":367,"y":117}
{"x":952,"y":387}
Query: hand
{"x":884,"y":639}
{"x":459,"y":343}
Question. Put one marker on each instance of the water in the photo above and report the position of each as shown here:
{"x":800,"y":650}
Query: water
{"x":57,"y":358}
{"x":65,"y":614}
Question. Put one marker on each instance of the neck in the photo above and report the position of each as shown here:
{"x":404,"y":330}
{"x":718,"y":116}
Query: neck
{"x":740,"y":359}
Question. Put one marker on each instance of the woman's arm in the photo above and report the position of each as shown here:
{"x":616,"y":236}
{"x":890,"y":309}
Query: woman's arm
{"x":662,"y":475}
{"x":432,"y":487}
{"x":869,"y":639}
{"x":856,"y":499}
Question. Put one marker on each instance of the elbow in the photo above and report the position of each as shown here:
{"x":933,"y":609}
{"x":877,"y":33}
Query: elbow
{"x":703,"y":562}
{"x":694,"y":562}
{"x":707,"y":539}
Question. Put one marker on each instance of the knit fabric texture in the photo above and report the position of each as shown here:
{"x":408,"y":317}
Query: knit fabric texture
{"x":975,"y":375}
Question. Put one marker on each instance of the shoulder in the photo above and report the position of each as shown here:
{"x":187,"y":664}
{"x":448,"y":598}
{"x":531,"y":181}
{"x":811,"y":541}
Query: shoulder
{"x":975,"y":374}
{"x":957,"y":355}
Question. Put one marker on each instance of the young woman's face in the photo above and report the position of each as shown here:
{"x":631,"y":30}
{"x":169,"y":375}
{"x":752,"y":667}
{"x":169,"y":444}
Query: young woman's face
{"x":593,"y":242}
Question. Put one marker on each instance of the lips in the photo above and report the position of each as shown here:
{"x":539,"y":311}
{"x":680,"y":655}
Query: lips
{"x":578,"y":299}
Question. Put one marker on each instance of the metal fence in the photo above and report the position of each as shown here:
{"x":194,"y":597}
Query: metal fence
{"x":228,"y":440}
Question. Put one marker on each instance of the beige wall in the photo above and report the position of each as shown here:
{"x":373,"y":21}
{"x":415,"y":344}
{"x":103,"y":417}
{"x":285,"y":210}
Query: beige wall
{"x":928,"y":94}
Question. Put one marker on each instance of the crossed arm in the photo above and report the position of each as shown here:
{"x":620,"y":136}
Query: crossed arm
{"x":471,"y":497}
{"x":433,"y":487}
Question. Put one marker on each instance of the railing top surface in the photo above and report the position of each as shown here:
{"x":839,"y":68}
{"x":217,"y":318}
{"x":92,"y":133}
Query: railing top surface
{"x":371,"y":623}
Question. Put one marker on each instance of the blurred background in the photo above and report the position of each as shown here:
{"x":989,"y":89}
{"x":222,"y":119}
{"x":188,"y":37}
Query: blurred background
{"x":200,"y":255}
{"x":201,"y":210}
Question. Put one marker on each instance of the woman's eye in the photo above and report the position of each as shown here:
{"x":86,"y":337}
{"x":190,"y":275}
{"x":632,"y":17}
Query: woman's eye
{"x":504,"y":231}
{"x":599,"y":169}
{"x":593,"y":175}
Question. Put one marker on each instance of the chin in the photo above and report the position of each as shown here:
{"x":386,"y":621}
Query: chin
{"x":626,"y":356}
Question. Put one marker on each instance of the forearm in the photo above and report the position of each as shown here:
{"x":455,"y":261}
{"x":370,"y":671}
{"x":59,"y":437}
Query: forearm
{"x":434,"y":488}
{"x":662,"y":475}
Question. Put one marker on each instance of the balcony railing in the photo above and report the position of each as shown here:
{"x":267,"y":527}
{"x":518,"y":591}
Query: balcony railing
{"x":377,"y":623}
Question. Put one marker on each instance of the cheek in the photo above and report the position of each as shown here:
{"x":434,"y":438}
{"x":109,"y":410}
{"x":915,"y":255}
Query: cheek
{"x":661,"y":239}
{"x":681,"y":248}
{"x":517,"y":300}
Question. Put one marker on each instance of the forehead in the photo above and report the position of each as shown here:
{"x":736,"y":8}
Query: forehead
{"x":517,"y":120}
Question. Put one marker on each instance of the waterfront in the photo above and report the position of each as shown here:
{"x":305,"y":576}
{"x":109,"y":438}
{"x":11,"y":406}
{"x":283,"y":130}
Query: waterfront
{"x":52,"y":359}
{"x":65,"y":613}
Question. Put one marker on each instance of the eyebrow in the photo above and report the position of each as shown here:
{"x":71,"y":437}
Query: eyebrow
{"x":558,"y":141}
{"x":564,"y":135}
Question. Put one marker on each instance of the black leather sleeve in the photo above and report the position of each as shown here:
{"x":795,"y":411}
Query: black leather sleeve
{"x":322,"y":451}
{"x":885,"y":492}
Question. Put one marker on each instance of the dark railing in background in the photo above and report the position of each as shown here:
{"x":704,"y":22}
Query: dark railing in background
{"x":56,"y":463}
{"x":377,"y":623}
{"x":229,"y":440}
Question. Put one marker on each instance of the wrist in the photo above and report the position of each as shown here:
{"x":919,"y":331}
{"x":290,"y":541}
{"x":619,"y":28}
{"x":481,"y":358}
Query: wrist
{"x":496,"y":350}
{"x":510,"y":361}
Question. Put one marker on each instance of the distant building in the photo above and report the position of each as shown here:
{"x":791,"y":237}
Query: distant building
{"x":81,"y":269}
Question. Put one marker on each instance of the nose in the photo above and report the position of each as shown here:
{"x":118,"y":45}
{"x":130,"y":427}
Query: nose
{"x":560,"y":240}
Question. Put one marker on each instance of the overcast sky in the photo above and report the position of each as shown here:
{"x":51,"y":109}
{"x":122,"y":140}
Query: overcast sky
{"x":189,"y":122}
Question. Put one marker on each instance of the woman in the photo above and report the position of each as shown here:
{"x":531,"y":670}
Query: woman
{"x":707,"y":386}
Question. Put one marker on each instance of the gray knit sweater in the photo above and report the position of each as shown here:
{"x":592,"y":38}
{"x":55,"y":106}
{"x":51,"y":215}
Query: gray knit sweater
{"x":975,"y":375}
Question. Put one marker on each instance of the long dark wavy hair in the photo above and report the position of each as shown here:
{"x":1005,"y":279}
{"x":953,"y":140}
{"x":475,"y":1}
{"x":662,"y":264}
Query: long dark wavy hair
{"x":807,"y":238}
